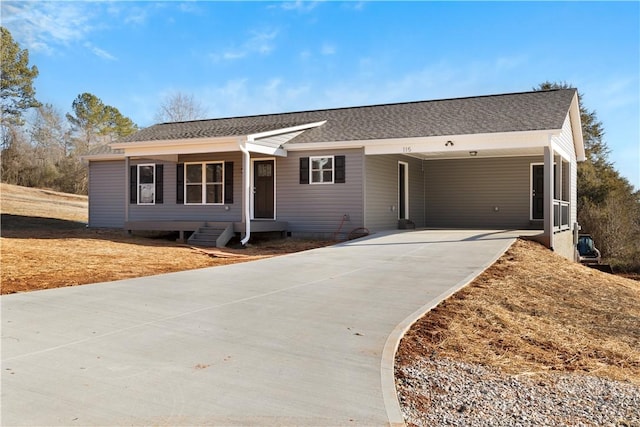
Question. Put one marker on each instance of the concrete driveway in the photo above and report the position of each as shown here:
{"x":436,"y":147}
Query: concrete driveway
{"x":302,"y":339}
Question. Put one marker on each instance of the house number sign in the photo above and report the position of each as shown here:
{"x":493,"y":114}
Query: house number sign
{"x":406,"y":149}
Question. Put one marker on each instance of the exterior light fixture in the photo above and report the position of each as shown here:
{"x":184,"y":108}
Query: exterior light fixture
{"x":449,"y":144}
{"x":473,"y":153}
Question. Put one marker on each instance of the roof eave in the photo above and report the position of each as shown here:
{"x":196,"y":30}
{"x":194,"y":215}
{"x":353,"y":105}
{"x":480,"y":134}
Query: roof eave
{"x":102,"y":157}
{"x":211,"y":144}
{"x":422,"y":143}
{"x":576,"y":128}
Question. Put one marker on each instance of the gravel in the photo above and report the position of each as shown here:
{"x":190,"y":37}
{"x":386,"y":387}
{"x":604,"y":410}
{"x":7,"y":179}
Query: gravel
{"x":444,"y":392}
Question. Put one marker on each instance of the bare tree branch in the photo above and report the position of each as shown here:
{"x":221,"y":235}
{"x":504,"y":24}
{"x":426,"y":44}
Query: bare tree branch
{"x":179,"y":107}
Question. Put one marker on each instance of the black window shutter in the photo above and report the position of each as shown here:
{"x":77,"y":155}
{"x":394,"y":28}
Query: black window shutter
{"x":133,"y":184}
{"x":228,"y":182}
{"x":159,"y":183}
{"x":340,"y":176}
{"x":180,"y":183}
{"x":304,"y":170}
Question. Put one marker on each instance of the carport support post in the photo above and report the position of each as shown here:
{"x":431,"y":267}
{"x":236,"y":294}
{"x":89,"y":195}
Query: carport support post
{"x":548,"y":196}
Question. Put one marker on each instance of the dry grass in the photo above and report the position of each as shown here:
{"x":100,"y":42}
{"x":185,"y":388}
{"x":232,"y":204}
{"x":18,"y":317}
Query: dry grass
{"x":535,"y":312}
{"x":45,"y":244}
{"x":34,"y":202}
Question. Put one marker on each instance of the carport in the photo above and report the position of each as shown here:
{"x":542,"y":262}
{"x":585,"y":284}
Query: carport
{"x":513,"y":180}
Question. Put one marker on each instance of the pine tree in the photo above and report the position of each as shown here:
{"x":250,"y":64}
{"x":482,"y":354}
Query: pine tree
{"x":16,"y":80}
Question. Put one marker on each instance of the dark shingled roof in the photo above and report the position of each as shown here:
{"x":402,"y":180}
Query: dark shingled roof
{"x":526,"y":111}
{"x":103,"y":149}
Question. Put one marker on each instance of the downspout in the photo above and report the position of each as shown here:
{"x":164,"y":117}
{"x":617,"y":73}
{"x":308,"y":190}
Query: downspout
{"x":246,"y":179}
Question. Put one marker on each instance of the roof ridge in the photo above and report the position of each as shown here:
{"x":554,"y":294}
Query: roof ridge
{"x":369,"y":106}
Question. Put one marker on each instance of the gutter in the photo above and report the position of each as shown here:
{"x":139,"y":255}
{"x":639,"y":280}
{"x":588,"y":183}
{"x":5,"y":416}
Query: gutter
{"x":246,"y":168}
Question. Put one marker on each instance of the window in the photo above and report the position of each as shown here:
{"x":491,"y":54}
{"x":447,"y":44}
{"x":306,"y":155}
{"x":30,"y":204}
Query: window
{"x":322,"y":170}
{"x":204,"y":183}
{"x":146,"y":184}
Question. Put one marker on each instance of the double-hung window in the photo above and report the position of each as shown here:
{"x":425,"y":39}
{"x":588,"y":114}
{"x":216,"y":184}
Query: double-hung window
{"x":146,"y":185}
{"x":204,"y":183}
{"x":322,"y":170}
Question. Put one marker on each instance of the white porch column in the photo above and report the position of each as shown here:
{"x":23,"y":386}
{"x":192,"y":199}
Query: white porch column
{"x":548,"y":196}
{"x":558,"y":178}
{"x":246,"y":181}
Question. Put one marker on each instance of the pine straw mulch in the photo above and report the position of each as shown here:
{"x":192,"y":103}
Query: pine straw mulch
{"x":534,"y":312}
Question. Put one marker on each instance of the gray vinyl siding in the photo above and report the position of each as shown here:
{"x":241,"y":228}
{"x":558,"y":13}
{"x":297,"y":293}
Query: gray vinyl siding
{"x":318,"y":209}
{"x":381,"y":191}
{"x":106,"y":188}
{"x":169,"y":210}
{"x":466,"y":192}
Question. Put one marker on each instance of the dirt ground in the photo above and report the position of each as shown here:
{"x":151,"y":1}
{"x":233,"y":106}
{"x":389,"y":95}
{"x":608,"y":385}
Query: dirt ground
{"x":45,"y":244}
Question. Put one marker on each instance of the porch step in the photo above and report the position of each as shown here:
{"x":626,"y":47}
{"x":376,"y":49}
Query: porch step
{"x":216,"y":236}
{"x":405,"y":224}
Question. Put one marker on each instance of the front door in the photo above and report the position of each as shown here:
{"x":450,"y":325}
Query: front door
{"x":537,"y":191}
{"x":263,"y":189}
{"x":403,"y":190}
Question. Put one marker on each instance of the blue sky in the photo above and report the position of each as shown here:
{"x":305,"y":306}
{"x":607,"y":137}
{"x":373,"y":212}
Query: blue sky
{"x":244,"y":58}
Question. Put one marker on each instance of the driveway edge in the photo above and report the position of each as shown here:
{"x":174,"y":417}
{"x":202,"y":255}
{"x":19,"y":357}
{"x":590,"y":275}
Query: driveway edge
{"x":387,"y":363}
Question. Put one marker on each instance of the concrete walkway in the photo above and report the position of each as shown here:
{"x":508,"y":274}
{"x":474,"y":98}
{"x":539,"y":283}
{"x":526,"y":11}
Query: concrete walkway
{"x":303,"y":339}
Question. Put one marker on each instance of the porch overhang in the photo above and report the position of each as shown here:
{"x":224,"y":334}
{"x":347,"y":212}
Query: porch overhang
{"x":268,"y":142}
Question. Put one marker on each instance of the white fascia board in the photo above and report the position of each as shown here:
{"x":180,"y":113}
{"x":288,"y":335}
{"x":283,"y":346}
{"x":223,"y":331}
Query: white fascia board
{"x":265,"y":149}
{"x":102,"y":157}
{"x":254,"y":136}
{"x":331,"y":145}
{"x":159,"y":157}
{"x":438,"y":144}
{"x":576,"y":129}
{"x":177,"y":146}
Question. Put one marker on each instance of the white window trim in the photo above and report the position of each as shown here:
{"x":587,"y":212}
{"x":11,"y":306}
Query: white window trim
{"x":138,"y":184}
{"x":333,"y":170}
{"x":203,"y":183}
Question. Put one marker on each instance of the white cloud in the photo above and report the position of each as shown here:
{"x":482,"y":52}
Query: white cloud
{"x":259,"y":42}
{"x":100,"y":52}
{"x":304,"y":55}
{"x":442,"y":79}
{"x":240,"y":97}
{"x":136,"y":16}
{"x":507,"y":63}
{"x":303,"y":6}
{"x":44,"y":26}
{"x":328,"y":49}
{"x":190,"y":6}
{"x":620,"y":92}
{"x":355,"y":5}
